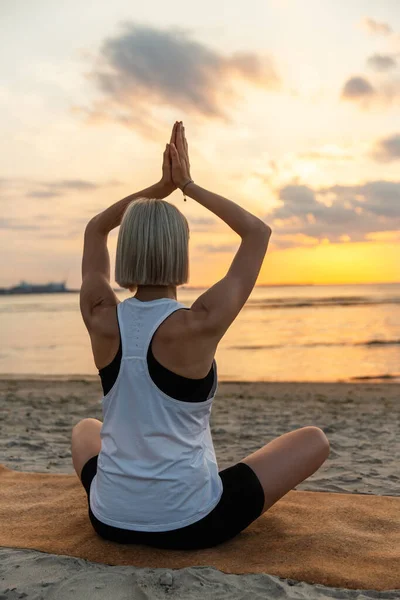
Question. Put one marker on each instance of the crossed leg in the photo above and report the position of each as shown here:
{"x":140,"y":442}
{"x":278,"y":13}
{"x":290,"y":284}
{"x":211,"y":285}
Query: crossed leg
{"x":85,"y":442}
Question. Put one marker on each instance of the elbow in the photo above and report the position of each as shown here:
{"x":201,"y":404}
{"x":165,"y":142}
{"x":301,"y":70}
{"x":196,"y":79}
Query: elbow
{"x":258,"y":226}
{"x":90,"y":225}
{"x":266,"y":227}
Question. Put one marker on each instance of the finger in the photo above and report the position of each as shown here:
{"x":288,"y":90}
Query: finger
{"x":165,"y":155}
{"x":179,"y":139}
{"x":174,"y":154}
{"x":184,"y":143}
{"x":187,"y":165}
{"x":173,"y":134}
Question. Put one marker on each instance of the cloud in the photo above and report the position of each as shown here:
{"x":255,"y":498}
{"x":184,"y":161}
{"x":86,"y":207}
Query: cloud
{"x":357,"y":87}
{"x":59,"y":188}
{"x":43,"y":194}
{"x":218,"y":249}
{"x":336,"y":213}
{"x":202,"y":223}
{"x":17,"y":225}
{"x":41,"y":226}
{"x":387,"y":149}
{"x":381,"y":62}
{"x":75,"y":184}
{"x":143,"y":66}
{"x":282,"y":241}
{"x":19,"y":187}
{"x":330,"y":153}
{"x":373,"y":27}
{"x":382,"y":92}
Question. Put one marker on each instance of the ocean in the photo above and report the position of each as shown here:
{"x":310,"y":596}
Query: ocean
{"x":291,"y":333}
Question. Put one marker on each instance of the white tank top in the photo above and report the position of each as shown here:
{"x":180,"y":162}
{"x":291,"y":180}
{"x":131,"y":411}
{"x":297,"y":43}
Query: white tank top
{"x":157,"y":468}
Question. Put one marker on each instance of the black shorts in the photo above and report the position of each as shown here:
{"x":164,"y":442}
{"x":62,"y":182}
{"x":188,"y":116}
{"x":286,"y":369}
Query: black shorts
{"x":241,"y":503}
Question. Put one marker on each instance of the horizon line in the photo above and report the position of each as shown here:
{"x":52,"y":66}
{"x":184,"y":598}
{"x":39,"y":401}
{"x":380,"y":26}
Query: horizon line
{"x":261,"y":285}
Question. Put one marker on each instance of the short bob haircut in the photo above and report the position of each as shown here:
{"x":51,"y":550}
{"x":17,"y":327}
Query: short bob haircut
{"x":153,"y":245}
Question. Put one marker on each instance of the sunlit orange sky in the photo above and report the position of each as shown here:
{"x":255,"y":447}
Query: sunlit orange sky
{"x":291,"y":109}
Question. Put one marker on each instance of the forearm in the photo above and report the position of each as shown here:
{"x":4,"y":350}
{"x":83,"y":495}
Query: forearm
{"x":239,"y":219}
{"x":111,"y":217}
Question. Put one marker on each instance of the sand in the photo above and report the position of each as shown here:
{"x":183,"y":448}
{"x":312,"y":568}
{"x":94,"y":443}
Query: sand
{"x":361,"y":421}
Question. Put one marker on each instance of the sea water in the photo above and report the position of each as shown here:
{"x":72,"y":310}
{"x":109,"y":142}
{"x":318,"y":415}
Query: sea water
{"x":285,"y":333}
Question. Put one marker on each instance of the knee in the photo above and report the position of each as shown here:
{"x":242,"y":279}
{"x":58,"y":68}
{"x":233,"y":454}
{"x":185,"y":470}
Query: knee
{"x":319,"y":436}
{"x":84,"y":423}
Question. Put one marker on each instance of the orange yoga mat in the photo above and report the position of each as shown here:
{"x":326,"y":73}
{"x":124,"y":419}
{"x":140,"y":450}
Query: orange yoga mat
{"x":341,"y":540}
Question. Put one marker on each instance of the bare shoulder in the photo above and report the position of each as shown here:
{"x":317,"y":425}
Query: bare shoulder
{"x":183,"y":346}
{"x":191,"y":324}
{"x":181,"y":343}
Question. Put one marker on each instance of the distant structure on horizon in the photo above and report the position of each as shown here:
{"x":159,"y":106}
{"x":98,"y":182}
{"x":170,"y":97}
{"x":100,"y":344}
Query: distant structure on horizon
{"x":60,"y":288}
{"x":31,"y":288}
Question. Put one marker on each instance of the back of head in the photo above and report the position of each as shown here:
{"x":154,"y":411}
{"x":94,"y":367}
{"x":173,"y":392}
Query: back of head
{"x":153,"y":245}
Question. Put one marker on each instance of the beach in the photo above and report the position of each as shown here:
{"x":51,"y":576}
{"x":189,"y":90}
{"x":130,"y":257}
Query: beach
{"x":361,"y":421}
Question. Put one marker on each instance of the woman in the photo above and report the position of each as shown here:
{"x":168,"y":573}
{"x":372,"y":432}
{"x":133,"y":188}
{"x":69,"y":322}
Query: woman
{"x":150,"y":470}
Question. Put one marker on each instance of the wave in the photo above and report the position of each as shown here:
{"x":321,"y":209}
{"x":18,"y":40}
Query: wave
{"x":38,"y":308}
{"x":394,"y":376}
{"x":315,"y":344}
{"x":378,"y":342}
{"x":251,"y":304}
{"x":316,"y":302}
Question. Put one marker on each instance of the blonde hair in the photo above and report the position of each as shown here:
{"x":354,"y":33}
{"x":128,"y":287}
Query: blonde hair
{"x":153,"y":245}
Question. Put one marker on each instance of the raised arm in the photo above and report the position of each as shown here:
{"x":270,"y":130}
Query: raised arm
{"x":215,"y":310}
{"x":238,"y":218}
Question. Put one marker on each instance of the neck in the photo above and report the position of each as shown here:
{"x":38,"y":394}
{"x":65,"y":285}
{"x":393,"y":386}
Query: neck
{"x":153,"y":292}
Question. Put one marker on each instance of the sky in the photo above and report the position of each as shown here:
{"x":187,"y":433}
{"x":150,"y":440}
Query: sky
{"x":291,"y":109}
